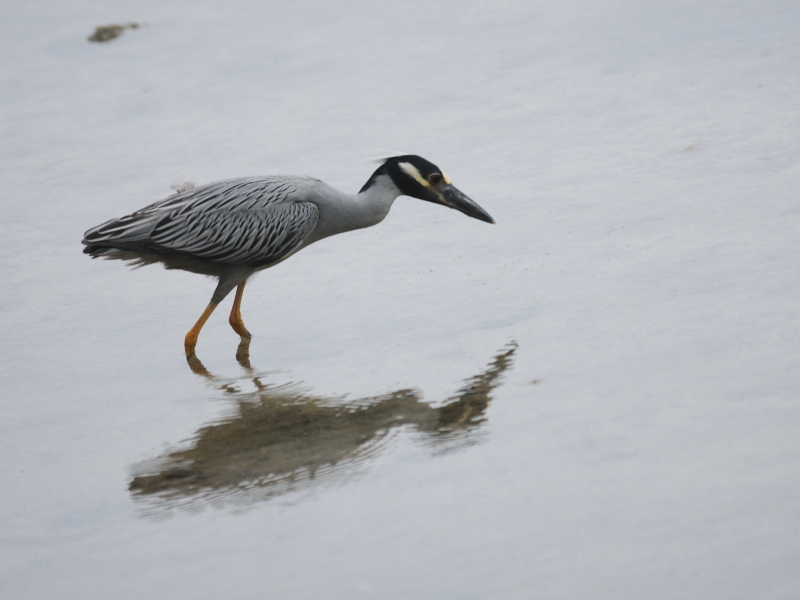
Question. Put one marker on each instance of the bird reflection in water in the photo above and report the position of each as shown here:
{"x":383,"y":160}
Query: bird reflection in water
{"x":281,"y":439}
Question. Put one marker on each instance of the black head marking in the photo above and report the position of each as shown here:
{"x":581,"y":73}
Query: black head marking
{"x":412,"y":174}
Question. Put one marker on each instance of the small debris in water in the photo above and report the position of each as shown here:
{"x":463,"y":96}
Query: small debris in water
{"x":106,"y":33}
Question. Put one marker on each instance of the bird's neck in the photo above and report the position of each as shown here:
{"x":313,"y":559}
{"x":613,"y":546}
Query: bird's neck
{"x":375,"y":202}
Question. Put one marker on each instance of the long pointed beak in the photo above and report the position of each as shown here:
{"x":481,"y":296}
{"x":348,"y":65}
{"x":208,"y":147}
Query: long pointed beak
{"x":455,"y":198}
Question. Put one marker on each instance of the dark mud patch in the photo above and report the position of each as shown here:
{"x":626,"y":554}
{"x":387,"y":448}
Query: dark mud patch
{"x":106,"y":33}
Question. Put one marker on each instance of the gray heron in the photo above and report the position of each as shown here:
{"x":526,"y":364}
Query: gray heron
{"x":230,"y":229}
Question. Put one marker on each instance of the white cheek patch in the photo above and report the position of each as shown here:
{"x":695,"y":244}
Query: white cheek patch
{"x":414,"y":172}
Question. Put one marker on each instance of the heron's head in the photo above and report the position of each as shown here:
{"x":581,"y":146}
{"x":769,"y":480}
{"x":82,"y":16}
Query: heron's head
{"x":416,"y":177}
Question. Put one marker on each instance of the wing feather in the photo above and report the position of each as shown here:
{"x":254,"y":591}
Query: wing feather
{"x":247,"y":237}
{"x":253,"y":221}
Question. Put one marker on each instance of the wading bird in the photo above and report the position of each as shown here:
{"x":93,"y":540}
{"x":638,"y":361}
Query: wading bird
{"x":231,"y":229}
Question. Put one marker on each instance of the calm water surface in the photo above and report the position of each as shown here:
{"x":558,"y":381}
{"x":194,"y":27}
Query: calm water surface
{"x":597,"y":397}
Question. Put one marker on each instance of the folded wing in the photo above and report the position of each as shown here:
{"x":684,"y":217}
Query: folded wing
{"x":253,"y":222}
{"x":242,"y":237}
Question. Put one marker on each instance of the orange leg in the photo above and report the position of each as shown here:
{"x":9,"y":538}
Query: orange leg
{"x":191,"y":338}
{"x":236,"y":320}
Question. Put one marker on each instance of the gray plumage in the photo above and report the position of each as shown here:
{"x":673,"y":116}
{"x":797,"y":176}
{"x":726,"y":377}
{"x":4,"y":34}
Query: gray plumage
{"x":249,"y":221}
{"x":231,"y":229}
{"x":224,"y":229}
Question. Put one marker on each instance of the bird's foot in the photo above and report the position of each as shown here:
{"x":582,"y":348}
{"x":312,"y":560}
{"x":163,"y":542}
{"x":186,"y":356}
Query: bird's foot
{"x":238,"y":327}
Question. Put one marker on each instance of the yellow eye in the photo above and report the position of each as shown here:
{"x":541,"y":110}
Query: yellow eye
{"x":435,"y":178}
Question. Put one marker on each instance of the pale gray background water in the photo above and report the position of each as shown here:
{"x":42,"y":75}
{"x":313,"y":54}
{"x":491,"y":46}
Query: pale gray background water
{"x":642,"y":162}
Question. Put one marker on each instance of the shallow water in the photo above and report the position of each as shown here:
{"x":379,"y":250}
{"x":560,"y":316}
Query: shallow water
{"x":281,"y":440}
{"x":596,"y":397}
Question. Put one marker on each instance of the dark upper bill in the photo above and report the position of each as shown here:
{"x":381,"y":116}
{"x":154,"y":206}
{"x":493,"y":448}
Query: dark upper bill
{"x":455,"y":198}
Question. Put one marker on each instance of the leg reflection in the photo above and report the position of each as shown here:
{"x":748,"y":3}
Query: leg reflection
{"x":197,"y":367}
{"x":243,"y":353}
{"x":226,"y":385}
{"x":242,"y":357}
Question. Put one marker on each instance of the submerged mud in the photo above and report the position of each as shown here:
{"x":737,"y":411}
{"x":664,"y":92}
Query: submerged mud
{"x":106,"y":33}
